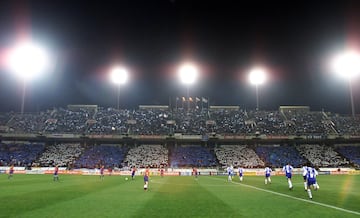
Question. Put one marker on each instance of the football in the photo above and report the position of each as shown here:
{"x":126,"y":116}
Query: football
{"x":126,"y":178}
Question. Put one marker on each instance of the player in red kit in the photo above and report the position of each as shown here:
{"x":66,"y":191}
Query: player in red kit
{"x":11,"y":172}
{"x":56,"y":173}
{"x":133,"y":171}
{"x":162,"y":172}
{"x":102,"y":172}
{"x":146,"y":178}
{"x":195,"y":173}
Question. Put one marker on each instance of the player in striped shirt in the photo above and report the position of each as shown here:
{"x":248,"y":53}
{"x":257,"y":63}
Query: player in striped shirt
{"x":304,"y":168}
{"x":311,"y":180}
{"x":288,"y":173}
{"x":267,"y":175}
{"x":241,"y":172}
{"x":230,"y":172}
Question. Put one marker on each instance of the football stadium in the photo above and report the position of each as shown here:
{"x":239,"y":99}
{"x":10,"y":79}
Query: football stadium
{"x":179,"y":109}
{"x":193,"y":158}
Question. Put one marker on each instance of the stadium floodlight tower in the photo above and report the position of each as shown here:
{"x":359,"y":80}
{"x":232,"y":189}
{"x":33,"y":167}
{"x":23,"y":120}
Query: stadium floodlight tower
{"x":347,"y":65}
{"x":257,"y":76}
{"x":119,"y":76}
{"x":27,"y":61}
{"x":188,"y":74}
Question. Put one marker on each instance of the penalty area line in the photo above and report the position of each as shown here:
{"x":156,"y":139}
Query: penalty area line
{"x":296,"y":198}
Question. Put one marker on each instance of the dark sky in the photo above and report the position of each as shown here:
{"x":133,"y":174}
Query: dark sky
{"x":293,"y":40}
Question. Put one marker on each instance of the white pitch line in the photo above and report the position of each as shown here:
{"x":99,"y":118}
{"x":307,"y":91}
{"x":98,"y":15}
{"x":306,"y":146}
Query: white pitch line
{"x":300,"y":199}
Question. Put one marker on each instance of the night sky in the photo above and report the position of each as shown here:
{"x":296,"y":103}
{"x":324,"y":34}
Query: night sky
{"x":293,"y":40}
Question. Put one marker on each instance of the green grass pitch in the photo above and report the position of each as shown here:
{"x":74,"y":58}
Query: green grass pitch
{"x":174,"y":196}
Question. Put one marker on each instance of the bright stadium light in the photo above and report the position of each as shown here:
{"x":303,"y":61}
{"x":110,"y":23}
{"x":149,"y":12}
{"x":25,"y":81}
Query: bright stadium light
{"x":257,"y":76}
{"x":119,"y":76}
{"x":347,"y":65}
{"x":27,"y":61}
{"x":188,"y":74}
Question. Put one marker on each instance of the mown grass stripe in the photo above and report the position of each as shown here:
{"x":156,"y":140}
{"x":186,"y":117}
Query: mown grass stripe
{"x":296,"y":198}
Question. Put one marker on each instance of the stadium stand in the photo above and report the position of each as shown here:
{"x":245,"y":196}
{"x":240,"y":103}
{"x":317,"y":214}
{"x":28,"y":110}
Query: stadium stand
{"x":94,"y":156}
{"x":351,"y":152}
{"x":20,"y":154}
{"x":62,"y":154}
{"x":280,"y":155}
{"x":192,"y":155}
{"x":238,"y":155}
{"x":155,"y":121}
{"x":288,"y":122}
{"x":346,"y":125}
{"x":152,"y":156}
{"x":321,"y":155}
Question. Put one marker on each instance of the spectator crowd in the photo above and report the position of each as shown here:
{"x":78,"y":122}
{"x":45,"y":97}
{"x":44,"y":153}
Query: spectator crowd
{"x":160,"y":121}
{"x":191,"y":122}
{"x":74,"y":155}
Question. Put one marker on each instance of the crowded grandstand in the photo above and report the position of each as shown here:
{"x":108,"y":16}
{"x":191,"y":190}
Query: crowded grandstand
{"x":161,"y":137}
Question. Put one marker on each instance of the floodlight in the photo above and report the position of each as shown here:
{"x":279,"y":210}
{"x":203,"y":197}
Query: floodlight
{"x":119,"y":75}
{"x":257,"y":76}
{"x":347,"y":64}
{"x":28,"y":60}
{"x":188,"y":74}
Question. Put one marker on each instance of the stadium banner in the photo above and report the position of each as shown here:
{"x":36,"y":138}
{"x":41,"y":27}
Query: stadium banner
{"x":73,"y":172}
{"x":354,"y":136}
{"x":234,"y":137}
{"x":19,"y":135}
{"x":171,"y":171}
{"x":87,"y":172}
{"x":151,"y":137}
{"x":354,"y":172}
{"x":252,"y":173}
{"x":17,"y":170}
{"x":341,"y":172}
{"x":38,"y":171}
{"x":277,"y":137}
{"x":185,"y":173}
{"x":279,"y":173}
{"x":192,"y":137}
{"x":95,"y":136}
{"x":112,"y":136}
{"x":64,"y":136}
{"x":171,"y":174}
{"x":50,"y":170}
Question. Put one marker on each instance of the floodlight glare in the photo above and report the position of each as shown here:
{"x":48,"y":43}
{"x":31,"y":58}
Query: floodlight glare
{"x":119,"y":75}
{"x":347,"y":64}
{"x":188,"y":74}
{"x":28,"y":60}
{"x":257,"y":76}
